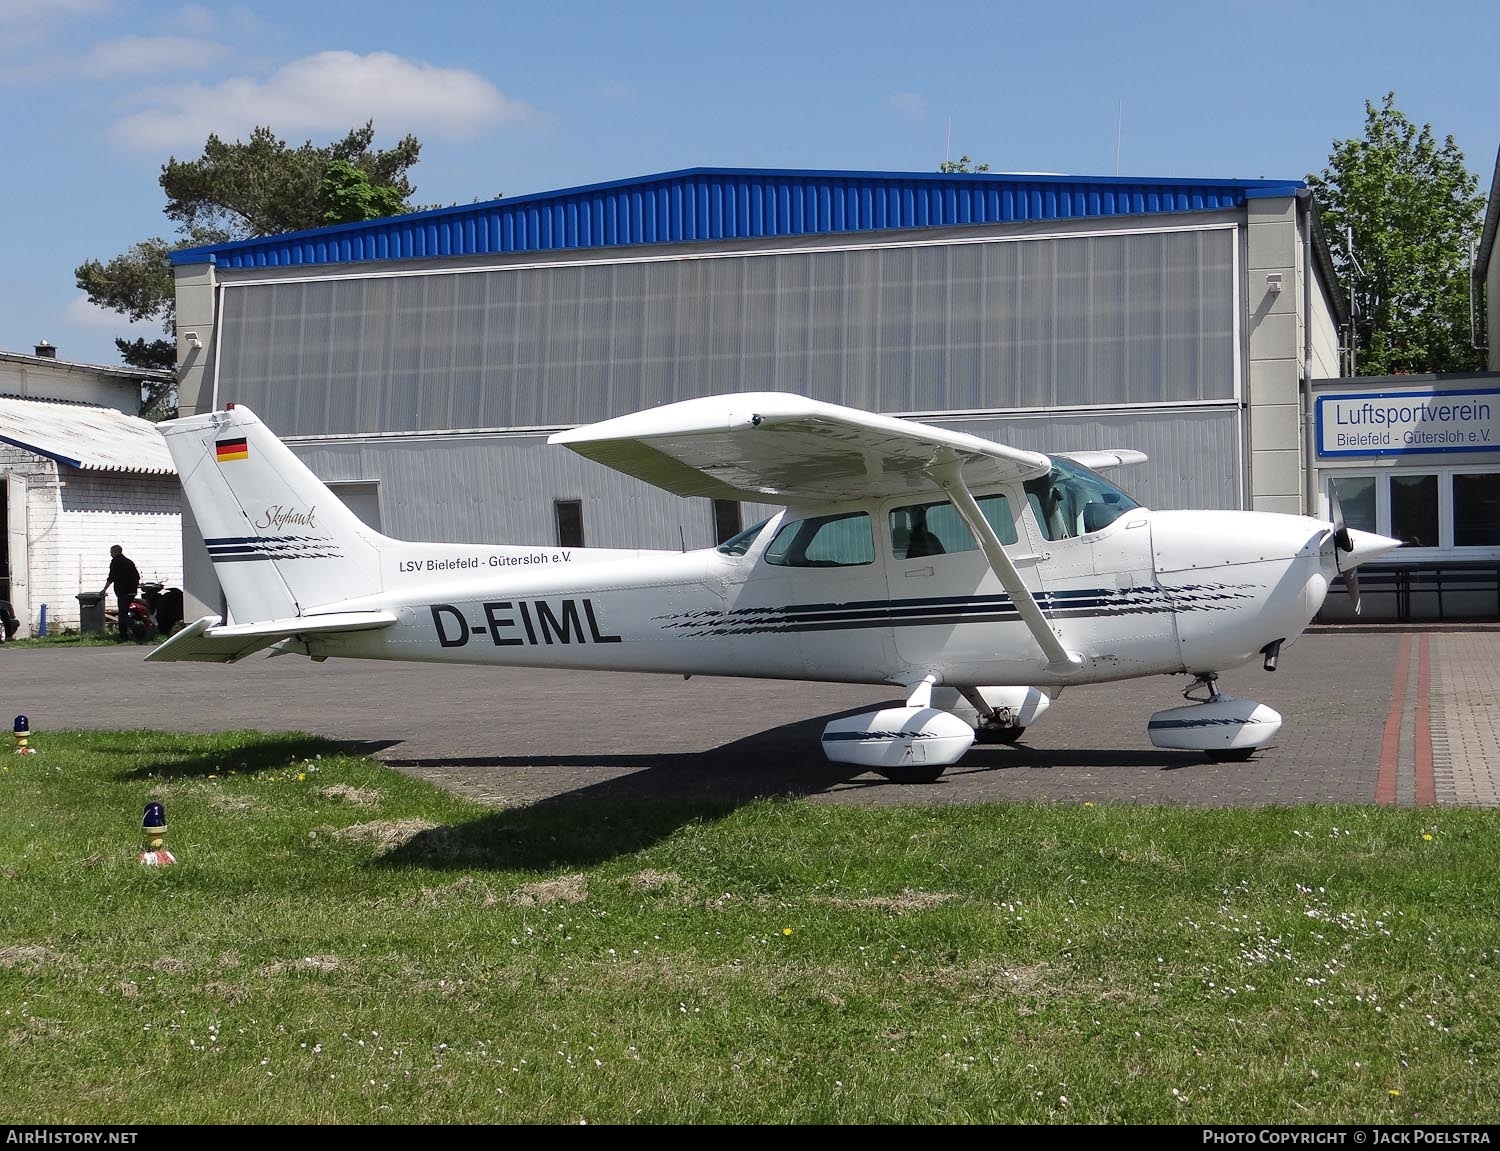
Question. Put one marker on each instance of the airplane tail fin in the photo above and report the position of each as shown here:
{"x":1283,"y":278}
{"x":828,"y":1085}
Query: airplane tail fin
{"x":280,"y":541}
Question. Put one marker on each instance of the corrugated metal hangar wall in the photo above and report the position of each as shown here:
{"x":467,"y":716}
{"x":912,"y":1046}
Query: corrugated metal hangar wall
{"x":954,"y":326}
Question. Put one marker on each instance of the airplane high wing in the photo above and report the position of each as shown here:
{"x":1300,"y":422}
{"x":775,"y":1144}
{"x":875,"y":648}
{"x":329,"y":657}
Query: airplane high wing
{"x":1101,"y":461}
{"x":973,"y":576}
{"x":773,"y":447}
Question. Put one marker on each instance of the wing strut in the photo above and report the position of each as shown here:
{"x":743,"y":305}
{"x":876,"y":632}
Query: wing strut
{"x":948,"y":473}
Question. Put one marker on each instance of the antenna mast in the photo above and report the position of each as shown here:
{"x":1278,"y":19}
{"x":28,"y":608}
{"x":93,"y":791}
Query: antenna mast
{"x":1119,"y":130}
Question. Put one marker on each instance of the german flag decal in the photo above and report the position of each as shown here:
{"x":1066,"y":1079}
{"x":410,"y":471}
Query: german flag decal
{"x":231,"y":450}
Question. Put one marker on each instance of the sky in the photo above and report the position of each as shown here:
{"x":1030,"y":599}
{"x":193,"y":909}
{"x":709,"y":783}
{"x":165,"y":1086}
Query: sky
{"x":509,"y":99}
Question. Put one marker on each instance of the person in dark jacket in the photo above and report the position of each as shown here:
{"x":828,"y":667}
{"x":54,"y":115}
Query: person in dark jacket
{"x":127,"y":580}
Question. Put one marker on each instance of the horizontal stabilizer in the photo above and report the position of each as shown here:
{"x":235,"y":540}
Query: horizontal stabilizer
{"x":205,"y":642}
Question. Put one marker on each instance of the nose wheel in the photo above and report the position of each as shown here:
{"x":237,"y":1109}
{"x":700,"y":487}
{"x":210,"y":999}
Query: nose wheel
{"x":1205,"y":689}
{"x":1225,"y":729}
{"x":1231,"y":755}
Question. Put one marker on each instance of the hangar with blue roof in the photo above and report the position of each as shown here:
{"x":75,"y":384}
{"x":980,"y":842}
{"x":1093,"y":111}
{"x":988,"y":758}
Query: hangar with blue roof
{"x":418,"y":363}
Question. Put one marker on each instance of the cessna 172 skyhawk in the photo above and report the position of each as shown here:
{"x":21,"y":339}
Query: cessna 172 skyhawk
{"x":963,"y":571}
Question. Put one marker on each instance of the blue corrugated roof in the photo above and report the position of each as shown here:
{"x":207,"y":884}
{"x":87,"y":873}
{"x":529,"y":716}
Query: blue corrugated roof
{"x":732,"y":204}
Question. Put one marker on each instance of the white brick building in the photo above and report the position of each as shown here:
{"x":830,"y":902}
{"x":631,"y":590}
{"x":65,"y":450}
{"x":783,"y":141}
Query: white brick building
{"x":45,"y":377}
{"x":75,"y":480}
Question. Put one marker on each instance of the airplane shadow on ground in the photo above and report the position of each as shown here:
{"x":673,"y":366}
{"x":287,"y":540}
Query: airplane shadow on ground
{"x":254,"y":755}
{"x":623,"y":814}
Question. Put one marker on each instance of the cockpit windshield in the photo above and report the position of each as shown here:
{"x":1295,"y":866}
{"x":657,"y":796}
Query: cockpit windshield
{"x":738,"y":545}
{"x":1074,"y":501}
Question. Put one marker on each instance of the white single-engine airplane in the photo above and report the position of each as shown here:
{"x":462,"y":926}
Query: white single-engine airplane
{"x":961,"y":570}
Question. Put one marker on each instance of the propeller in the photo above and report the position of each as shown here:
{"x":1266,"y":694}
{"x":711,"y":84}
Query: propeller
{"x":1343,"y":543}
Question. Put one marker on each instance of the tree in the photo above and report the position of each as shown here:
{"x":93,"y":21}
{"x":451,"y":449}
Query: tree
{"x":962,"y":164}
{"x":234,"y":191}
{"x":351,"y":195}
{"x":1401,"y":213}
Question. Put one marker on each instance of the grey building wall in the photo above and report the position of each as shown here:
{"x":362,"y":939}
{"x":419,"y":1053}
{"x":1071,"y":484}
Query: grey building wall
{"x":196,"y":313}
{"x":1273,"y":304}
{"x":1492,"y":304}
{"x":1490,"y":269}
{"x":1326,"y":359}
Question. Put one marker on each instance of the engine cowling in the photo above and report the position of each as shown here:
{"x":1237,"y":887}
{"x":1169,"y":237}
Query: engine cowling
{"x":897,"y":737}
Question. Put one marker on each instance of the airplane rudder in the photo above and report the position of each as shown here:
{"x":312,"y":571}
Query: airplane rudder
{"x":277,"y":534}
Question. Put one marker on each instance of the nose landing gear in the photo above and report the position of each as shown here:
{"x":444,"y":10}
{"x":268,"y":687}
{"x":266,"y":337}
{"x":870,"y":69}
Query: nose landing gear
{"x":1226,"y":729}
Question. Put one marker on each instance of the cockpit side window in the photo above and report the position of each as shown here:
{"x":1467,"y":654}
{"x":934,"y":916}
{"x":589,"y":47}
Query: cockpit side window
{"x":824,"y":541}
{"x":919,"y":530}
{"x":1074,"y":501}
{"x":738,"y":545}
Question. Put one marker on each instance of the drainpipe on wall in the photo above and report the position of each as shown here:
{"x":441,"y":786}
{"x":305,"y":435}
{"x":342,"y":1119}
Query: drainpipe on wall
{"x":1309,"y":424}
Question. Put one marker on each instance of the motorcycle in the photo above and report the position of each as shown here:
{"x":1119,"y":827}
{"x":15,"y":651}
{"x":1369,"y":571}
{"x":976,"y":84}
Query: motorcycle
{"x":155,"y":610}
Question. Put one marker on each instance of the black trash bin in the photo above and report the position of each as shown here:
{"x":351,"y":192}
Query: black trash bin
{"x":91,"y":613}
{"x":168,"y":610}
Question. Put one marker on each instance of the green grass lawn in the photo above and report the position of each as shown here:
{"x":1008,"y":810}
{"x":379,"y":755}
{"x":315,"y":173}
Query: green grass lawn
{"x":340,"y":943}
{"x":65,"y":639}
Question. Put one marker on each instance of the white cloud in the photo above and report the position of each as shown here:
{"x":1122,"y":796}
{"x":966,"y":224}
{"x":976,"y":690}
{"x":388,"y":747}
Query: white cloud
{"x":200,"y":20}
{"x":195,"y":18}
{"x":151,"y":54}
{"x":909,"y":104}
{"x":41,"y":11}
{"x":81,"y":314}
{"x":28,"y":26}
{"x":330,"y":91}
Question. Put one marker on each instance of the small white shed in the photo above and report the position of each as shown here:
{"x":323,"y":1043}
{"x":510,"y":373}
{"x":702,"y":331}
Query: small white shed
{"x":74,"y":480}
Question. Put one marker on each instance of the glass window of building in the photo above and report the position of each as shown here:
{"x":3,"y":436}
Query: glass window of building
{"x":1357,"y":501}
{"x":1476,"y":510}
{"x":1415,"y":520}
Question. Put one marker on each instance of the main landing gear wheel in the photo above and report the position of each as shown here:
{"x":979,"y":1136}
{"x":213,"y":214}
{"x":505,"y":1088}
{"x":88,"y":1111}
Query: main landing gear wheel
{"x":997,"y":733}
{"x":913,"y":773}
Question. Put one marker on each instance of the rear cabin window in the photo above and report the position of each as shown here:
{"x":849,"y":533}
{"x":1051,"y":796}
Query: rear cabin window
{"x":937,"y":529}
{"x":824,"y":542}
